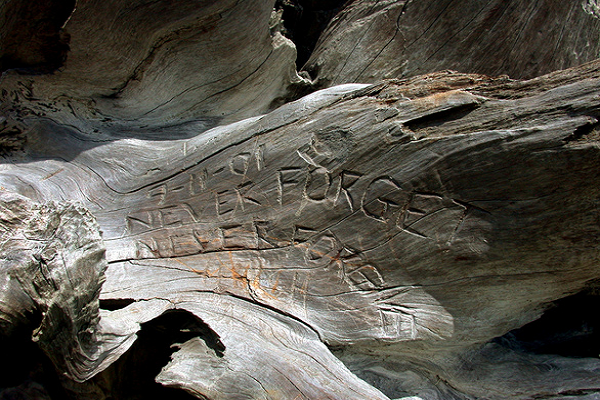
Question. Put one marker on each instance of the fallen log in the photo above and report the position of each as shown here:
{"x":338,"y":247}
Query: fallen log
{"x":168,"y":231}
{"x":421,"y":218}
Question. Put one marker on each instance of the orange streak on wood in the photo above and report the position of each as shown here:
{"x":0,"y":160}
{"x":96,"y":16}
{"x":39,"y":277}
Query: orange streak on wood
{"x":53,"y":174}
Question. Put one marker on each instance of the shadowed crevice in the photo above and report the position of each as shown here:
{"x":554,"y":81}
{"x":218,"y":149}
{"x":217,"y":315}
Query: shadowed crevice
{"x":133,"y":376}
{"x":570,"y":328}
{"x":27,"y":371}
{"x":32,"y":37}
{"x":305,"y":20}
{"x":115,"y":304}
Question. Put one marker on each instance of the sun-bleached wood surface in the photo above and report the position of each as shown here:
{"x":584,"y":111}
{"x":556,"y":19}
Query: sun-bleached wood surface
{"x":361,"y":242}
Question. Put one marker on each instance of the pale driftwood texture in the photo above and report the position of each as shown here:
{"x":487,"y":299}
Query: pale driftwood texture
{"x":362,"y":242}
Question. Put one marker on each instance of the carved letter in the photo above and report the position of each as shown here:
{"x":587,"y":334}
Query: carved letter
{"x":318,"y":183}
{"x":347,"y":180}
{"x":289,"y":180}
{"x":239,"y":237}
{"x":239,"y":164}
{"x":143,"y":221}
{"x":382,"y":198}
{"x":197,"y":182}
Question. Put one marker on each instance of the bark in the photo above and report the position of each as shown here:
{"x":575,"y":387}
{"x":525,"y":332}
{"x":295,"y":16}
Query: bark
{"x":166,"y":233}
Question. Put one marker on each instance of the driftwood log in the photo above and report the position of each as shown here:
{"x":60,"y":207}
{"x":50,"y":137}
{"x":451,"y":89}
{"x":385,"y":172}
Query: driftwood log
{"x":370,"y":40}
{"x":174,"y":225}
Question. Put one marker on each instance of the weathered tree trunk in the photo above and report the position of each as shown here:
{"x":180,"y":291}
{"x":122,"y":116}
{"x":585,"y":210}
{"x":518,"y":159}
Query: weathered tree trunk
{"x":363,"y":242}
{"x":371,"y":39}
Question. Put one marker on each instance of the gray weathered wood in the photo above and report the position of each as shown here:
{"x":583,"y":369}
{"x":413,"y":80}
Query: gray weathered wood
{"x":371,"y":40}
{"x":426,"y":216}
{"x":52,"y":268}
{"x":362,"y":242}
